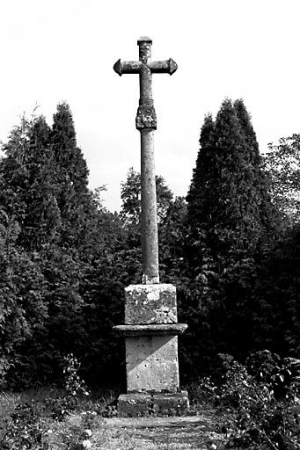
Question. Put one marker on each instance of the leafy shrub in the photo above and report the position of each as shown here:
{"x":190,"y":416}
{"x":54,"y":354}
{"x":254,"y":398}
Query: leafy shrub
{"x":25,"y":428}
{"x":61,"y":403}
{"x":260,"y":419}
{"x":74,"y":384}
{"x":202,"y":393}
{"x":269,"y":368}
{"x":34,"y":424}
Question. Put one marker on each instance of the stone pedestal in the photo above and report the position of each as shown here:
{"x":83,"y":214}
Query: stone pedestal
{"x":151,"y":342}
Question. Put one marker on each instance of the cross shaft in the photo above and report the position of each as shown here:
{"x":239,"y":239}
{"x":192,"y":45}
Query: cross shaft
{"x":146,"y":123}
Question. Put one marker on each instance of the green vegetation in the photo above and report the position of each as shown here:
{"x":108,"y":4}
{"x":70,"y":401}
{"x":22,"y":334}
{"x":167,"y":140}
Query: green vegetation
{"x":231,"y":248}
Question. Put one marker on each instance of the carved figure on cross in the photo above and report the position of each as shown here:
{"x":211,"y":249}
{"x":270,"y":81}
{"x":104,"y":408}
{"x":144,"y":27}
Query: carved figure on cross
{"x":146,"y":123}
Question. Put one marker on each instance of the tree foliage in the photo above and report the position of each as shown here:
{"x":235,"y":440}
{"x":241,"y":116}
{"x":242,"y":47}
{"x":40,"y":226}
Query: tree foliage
{"x":282,"y":164}
{"x":54,"y":233}
{"x":228,"y":201}
{"x":131,"y":198}
{"x":231,"y":224}
{"x":231,"y":248}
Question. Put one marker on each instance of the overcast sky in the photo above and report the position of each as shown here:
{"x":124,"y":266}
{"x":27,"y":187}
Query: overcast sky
{"x":64,"y":50}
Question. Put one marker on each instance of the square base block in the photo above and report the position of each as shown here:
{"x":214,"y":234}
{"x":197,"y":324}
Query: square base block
{"x":150,"y":303}
{"x":133,"y":405}
{"x":152,"y":363}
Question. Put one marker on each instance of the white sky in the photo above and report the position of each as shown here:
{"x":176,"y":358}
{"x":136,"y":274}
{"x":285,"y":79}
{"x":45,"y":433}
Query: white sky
{"x":64,"y":50}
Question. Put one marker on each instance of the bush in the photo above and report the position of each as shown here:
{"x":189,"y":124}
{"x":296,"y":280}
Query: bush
{"x":263,"y":398}
{"x":34,"y":423}
{"x":25,"y":428}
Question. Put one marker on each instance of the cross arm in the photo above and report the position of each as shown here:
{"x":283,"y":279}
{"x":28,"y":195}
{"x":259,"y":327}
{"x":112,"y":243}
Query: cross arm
{"x":167,"y":66}
{"x":122,"y":67}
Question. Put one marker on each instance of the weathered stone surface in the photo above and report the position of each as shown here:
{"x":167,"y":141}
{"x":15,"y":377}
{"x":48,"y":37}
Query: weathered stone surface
{"x":169,"y":329}
{"x":167,"y":66}
{"x":146,"y":123}
{"x":141,"y":404}
{"x":150,"y":303}
{"x":144,"y":44}
{"x":152,"y":363}
{"x":171,"y":404}
{"x":151,"y":326}
{"x":132,"y":405}
{"x":150,"y":263}
{"x":146,"y":117}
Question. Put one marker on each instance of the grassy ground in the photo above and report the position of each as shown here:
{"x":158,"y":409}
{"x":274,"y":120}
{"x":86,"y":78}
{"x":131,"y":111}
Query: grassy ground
{"x":49,"y":420}
{"x":183,"y":433}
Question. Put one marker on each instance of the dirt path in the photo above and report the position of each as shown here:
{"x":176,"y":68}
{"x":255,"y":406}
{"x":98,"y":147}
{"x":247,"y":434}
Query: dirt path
{"x":183,"y":433}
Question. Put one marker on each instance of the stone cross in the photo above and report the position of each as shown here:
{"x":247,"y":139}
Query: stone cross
{"x":146,"y":123}
{"x":151,"y":327}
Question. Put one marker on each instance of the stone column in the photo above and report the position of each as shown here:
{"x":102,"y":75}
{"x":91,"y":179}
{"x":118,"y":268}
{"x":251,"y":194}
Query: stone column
{"x":149,"y":210}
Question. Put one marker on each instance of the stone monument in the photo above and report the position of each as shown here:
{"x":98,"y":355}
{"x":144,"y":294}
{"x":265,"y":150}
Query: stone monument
{"x":151,"y":325}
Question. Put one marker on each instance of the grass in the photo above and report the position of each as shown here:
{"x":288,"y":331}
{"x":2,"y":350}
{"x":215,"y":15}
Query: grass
{"x":47,"y":419}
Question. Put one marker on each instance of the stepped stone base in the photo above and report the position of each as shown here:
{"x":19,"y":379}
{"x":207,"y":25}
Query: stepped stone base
{"x":151,"y":334}
{"x":146,"y":404}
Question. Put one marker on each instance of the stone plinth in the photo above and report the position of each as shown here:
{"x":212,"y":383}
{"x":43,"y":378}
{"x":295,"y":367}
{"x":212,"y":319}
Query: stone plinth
{"x":170,"y":404}
{"x":146,"y":404}
{"x":150,"y":303}
{"x":132,"y":405}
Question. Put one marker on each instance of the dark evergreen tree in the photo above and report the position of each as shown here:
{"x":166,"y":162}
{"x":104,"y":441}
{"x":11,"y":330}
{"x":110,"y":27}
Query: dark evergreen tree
{"x":72,"y":165}
{"x":278,"y":313}
{"x":73,"y":196}
{"x":172,"y":232}
{"x":22,"y":291}
{"x":268,"y":212}
{"x":231,"y":223}
{"x":45,"y":198}
{"x":229,"y":206}
{"x":28,"y":190}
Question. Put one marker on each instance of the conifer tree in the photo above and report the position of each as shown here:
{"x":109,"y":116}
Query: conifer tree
{"x":228,"y":201}
{"x":28,"y":189}
{"x":231,"y":221}
{"x":73,"y":197}
{"x":60,"y":256}
{"x":44,"y":195}
{"x":203,"y":174}
{"x":268,"y":213}
{"x":73,"y":171}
